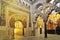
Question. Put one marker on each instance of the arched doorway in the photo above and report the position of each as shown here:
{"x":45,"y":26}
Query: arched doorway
{"x":18,"y":30}
{"x":39,"y":26}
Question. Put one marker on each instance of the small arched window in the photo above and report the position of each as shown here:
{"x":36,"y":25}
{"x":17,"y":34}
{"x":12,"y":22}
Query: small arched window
{"x":48,"y":1}
{"x":23,"y":3}
{"x":38,"y":5}
{"x":26,"y":4}
{"x":29,"y":6}
{"x":30,"y":0}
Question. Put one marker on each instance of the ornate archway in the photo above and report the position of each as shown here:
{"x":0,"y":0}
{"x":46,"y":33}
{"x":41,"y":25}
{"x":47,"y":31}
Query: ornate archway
{"x":39,"y":27}
{"x":18,"y":24}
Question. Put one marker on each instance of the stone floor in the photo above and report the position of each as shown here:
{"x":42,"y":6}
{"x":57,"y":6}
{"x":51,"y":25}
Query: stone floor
{"x":4,"y":36}
{"x":50,"y":37}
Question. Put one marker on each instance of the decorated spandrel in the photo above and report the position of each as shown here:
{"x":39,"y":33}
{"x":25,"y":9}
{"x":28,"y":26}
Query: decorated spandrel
{"x":2,"y":15}
{"x":2,"y":20}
